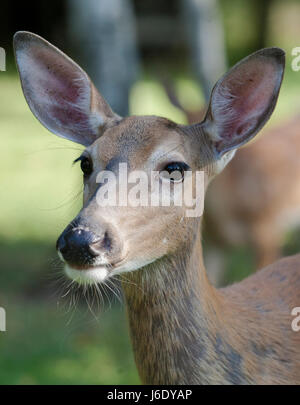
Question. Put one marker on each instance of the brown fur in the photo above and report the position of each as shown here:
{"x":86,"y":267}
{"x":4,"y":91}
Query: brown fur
{"x":184,"y":331}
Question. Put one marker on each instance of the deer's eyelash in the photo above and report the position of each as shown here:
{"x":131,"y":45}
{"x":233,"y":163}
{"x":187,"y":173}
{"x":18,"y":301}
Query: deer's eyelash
{"x":79,"y":159}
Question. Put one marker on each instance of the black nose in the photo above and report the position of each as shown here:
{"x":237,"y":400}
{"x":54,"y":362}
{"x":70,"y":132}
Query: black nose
{"x":80,"y":246}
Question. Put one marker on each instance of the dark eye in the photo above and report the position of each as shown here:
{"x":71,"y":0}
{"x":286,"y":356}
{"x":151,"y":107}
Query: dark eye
{"x":86,"y":165}
{"x":174,"y":171}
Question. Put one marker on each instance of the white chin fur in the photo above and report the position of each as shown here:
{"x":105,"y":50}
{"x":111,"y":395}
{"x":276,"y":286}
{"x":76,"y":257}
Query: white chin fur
{"x":91,"y":276}
{"x":99,"y":274}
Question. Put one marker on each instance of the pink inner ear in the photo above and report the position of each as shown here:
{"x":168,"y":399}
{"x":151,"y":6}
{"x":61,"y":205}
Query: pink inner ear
{"x":57,"y":78}
{"x":64,"y":93}
{"x":243,"y":98}
{"x":58,"y":93}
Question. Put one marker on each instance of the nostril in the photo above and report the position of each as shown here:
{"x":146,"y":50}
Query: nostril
{"x":94,"y":249}
{"x":80,"y":246}
{"x":101,"y":245}
{"x":106,"y":243}
{"x":74,"y":244}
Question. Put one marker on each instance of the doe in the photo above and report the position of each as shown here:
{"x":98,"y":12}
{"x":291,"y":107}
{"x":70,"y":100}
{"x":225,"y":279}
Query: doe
{"x":183,"y":330}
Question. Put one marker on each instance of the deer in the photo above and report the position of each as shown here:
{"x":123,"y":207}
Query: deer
{"x":183,"y":329}
{"x":256,"y":199}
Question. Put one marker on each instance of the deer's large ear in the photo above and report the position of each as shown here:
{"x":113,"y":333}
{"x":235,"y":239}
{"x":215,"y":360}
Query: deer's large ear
{"x":243,"y":99}
{"x":58,"y":92}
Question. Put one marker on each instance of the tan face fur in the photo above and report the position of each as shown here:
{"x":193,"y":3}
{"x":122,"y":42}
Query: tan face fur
{"x":148,"y":144}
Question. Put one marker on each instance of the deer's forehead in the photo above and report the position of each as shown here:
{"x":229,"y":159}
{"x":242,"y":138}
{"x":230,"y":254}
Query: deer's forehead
{"x":136,"y":140}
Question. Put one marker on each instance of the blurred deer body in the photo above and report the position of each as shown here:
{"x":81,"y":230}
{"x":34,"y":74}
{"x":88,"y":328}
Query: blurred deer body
{"x":256,"y":199}
{"x":183,"y":330}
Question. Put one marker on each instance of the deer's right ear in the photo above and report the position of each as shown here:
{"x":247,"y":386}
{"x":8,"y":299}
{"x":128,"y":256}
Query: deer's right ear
{"x":58,"y":92}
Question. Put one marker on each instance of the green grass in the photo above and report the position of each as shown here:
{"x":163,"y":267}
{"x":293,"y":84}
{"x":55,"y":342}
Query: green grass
{"x":36,"y":171}
{"x":45,"y":344}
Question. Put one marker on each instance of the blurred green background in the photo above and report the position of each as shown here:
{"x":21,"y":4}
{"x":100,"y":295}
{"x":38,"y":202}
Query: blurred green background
{"x":49,"y":340}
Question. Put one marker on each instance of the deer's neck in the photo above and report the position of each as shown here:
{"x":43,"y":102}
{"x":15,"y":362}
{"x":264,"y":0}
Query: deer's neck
{"x":173,"y":314}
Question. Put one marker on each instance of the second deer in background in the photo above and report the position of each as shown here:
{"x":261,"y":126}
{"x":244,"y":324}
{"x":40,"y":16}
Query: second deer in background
{"x":256,"y":199}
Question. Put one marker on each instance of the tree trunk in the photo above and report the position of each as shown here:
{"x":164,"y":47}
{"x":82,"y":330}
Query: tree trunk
{"x":104,"y":35}
{"x":206,"y":39}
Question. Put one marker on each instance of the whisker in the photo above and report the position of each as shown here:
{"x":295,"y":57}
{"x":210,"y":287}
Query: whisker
{"x":113,"y":291}
{"x":103,"y":285}
{"x":86,"y":296}
{"x":68,"y":201}
{"x":53,"y":148}
{"x":123,"y":279}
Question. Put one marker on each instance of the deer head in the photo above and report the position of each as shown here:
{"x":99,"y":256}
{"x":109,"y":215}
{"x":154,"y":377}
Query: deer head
{"x":103,"y":241}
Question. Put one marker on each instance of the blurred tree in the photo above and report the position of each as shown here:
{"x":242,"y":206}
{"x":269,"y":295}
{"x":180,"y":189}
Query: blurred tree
{"x":105,"y":38}
{"x":262,"y":9}
{"x":206,"y":39}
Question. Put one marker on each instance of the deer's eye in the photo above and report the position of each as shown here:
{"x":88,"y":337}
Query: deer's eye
{"x":174,"y":171}
{"x":86,"y":165}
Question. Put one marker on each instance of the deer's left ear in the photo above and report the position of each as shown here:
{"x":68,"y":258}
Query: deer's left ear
{"x":58,"y":92}
{"x":243,"y":100}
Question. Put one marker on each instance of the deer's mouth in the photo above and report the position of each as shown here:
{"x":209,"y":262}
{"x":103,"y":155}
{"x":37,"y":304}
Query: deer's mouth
{"x":100,"y":273}
{"x":90,"y":275}
{"x":96,"y":273}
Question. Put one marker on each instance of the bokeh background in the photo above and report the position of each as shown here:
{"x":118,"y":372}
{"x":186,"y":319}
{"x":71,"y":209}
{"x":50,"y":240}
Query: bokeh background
{"x":133,"y":50}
